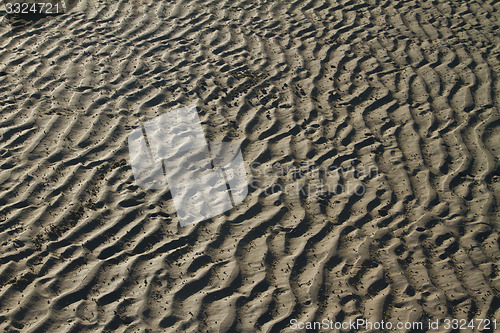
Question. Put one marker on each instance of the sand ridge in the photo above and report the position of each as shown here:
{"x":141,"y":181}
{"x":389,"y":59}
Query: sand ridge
{"x":409,"y":88}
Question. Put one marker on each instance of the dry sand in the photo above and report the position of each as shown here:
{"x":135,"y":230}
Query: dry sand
{"x":409,"y":89}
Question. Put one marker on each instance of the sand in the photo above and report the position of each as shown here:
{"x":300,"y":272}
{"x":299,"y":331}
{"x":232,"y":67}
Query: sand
{"x":407,"y":92}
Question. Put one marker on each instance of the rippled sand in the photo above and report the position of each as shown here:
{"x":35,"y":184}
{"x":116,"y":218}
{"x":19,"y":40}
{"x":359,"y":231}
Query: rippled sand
{"x":408,"y":90}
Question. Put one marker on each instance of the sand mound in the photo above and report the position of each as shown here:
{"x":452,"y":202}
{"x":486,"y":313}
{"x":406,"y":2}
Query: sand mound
{"x":405,"y":93}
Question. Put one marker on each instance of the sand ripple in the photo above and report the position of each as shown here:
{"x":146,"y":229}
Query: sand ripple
{"x":407,"y":88}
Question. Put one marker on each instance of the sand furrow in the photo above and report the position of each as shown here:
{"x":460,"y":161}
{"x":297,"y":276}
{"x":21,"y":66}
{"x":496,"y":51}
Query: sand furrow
{"x":369,"y":131}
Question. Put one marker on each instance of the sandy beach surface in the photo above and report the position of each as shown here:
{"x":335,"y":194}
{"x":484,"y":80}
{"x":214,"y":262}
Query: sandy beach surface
{"x":370,"y":132}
